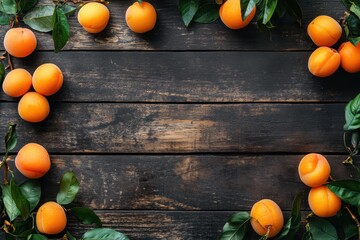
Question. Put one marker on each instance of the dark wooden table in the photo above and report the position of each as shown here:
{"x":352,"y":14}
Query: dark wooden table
{"x":172,"y":131}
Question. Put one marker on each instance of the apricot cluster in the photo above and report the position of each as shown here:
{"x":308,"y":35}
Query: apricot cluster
{"x":325,"y":31}
{"x":314,"y":171}
{"x":139,"y":17}
{"x":33,"y":105}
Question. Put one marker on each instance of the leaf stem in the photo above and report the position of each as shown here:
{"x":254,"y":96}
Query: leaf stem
{"x":355,"y":219}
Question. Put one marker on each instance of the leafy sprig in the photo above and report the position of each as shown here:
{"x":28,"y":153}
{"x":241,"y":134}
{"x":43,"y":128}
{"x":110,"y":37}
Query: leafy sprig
{"x":207,"y":11}
{"x":18,"y":202}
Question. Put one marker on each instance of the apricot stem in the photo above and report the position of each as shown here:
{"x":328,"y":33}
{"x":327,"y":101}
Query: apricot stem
{"x":355,"y":219}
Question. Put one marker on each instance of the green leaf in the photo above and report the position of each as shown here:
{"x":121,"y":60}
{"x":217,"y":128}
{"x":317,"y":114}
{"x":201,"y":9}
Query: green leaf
{"x":68,"y":9}
{"x":293,"y":224}
{"x":38,"y":237}
{"x":23,"y":229}
{"x":236,"y":227}
{"x":20,"y":201}
{"x":26,"y":5}
{"x":10,"y":137}
{"x":347,"y":190}
{"x":4,"y":19}
{"x":69,"y":187}
{"x":353,"y":24}
{"x":9,"y":6}
{"x":246,"y":7}
{"x":103,"y":233}
{"x":207,"y":13}
{"x":40,"y":18}
{"x":354,"y":40}
{"x":188,"y":9}
{"x":270,"y":6}
{"x":352,"y":114}
{"x":355,"y":9}
{"x":293,"y":9}
{"x":2,"y":73}
{"x":86,"y":216}
{"x":345,"y":222}
{"x":31,"y":190}
{"x":69,"y":236}
{"x":61,"y":32}
{"x":321,"y":228}
{"x":10,"y":207}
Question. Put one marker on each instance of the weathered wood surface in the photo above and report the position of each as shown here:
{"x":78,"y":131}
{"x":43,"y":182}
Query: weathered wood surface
{"x":184,"y":128}
{"x":170,"y":32}
{"x":192,"y":77}
{"x":183,"y":182}
{"x":172,"y":131}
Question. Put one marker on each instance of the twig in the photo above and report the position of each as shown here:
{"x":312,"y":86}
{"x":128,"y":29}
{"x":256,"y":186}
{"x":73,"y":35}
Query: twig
{"x":355,"y":219}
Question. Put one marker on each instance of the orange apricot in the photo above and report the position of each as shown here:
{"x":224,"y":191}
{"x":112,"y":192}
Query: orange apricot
{"x":51,"y":218}
{"x":20,"y":42}
{"x":17,"y":82}
{"x":324,"y":31}
{"x":350,"y":57}
{"x":323,"y":62}
{"x":323,"y":202}
{"x":314,"y":170}
{"x":141,"y":17}
{"x":230,"y":15}
{"x":47,"y":79}
{"x":93,"y":17}
{"x":33,"y":107}
{"x":33,"y":161}
{"x":266,"y":218}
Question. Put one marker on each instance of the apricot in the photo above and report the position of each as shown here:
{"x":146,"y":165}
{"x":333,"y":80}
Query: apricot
{"x":324,"y":31}
{"x":230,"y":15}
{"x":323,"y":202}
{"x":17,"y":82}
{"x":20,"y":42}
{"x":324,"y":61}
{"x":33,"y":107}
{"x":93,"y":17}
{"x":314,"y":170}
{"x":350,"y":57}
{"x":266,"y":218}
{"x":33,"y":161}
{"x":51,"y":218}
{"x":47,"y":79}
{"x":141,"y":17}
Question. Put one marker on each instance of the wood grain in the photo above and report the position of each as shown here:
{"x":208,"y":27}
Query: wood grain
{"x":184,"y":128}
{"x":182,"y":182}
{"x":170,"y":32}
{"x":192,"y":77}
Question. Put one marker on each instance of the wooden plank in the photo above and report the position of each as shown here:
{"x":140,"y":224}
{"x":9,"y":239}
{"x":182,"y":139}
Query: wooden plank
{"x":184,"y":128}
{"x":171,"y":34}
{"x":183,"y":182}
{"x":163,"y":225}
{"x":192,"y":77}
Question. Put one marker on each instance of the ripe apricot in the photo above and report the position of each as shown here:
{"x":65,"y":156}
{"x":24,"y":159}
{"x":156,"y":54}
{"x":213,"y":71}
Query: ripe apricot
{"x":314,"y":170}
{"x":47,"y":79}
{"x":350,"y":57}
{"x":266,"y":218}
{"x":324,"y":61}
{"x":51,"y":218}
{"x":141,"y":17}
{"x":33,"y":107}
{"x":323,"y":202}
{"x":93,"y":17}
{"x":33,"y":160}
{"x":17,"y":82}
{"x":20,"y":42}
{"x":230,"y":15}
{"x":324,"y":31}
